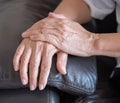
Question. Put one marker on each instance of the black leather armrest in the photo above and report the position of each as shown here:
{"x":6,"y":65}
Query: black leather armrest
{"x":48,"y":95}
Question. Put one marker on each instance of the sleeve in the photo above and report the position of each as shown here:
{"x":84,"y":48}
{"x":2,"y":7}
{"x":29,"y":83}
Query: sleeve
{"x":100,"y":8}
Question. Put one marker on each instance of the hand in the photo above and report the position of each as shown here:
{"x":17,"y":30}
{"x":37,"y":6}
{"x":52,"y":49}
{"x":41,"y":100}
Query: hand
{"x":67,"y":35}
{"x":37,"y":56}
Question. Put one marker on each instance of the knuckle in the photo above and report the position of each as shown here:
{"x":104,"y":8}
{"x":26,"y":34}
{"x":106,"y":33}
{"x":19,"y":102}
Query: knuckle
{"x":63,"y":33}
{"x":18,"y":51}
{"x":23,"y":60}
{"x":62,"y":43}
{"x":62,"y":20}
{"x":50,"y":49}
{"x":44,"y":25}
{"x":45,"y":68}
{"x":38,"y":45}
{"x":63,"y":26}
{"x":63,"y":29}
{"x":33,"y":63}
{"x":63,"y":38}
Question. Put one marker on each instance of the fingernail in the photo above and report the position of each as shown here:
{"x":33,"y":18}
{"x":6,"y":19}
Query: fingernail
{"x":24,"y":82}
{"x":64,"y":71}
{"x":32,"y":87}
{"x":41,"y":87}
{"x":16,"y":68}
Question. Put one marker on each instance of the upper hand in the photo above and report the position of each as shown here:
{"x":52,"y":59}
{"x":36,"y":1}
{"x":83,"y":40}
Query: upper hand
{"x":67,"y":35}
{"x":36,"y":57}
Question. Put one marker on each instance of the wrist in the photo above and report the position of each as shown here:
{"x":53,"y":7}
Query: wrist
{"x":93,"y":44}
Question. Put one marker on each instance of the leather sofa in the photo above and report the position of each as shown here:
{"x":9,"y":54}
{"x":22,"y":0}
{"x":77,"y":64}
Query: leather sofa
{"x":18,"y":15}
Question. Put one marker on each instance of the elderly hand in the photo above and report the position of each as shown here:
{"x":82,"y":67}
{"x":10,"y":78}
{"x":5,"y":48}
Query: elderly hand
{"x":67,"y":35}
{"x":36,"y":57}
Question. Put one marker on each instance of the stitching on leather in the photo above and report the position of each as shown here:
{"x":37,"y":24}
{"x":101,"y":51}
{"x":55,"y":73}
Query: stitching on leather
{"x":72,"y":88}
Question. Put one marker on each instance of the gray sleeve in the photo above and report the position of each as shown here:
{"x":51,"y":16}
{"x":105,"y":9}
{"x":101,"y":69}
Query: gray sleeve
{"x":100,"y":8}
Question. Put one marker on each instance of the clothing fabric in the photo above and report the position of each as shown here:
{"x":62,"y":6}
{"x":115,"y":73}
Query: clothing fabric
{"x":101,"y":8}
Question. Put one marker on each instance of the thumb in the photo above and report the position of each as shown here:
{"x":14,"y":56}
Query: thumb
{"x":62,"y":62}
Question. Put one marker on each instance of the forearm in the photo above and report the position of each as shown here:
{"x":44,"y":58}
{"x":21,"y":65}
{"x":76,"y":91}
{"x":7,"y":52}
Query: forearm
{"x":76,"y":10}
{"x":107,"y":45}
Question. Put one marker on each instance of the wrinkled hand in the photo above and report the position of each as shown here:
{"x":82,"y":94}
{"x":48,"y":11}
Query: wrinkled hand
{"x":37,"y":56}
{"x":67,"y":35}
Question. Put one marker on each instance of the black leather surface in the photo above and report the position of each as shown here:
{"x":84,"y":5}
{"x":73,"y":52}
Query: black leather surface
{"x":25,"y":96}
{"x":80,"y":79}
{"x":103,"y":94}
{"x":115,"y":79}
{"x":18,"y":15}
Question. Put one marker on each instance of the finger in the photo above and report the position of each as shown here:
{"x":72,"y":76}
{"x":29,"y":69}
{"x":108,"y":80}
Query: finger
{"x":62,"y":62}
{"x":38,"y":27}
{"x":27,"y":34}
{"x":24,"y":66}
{"x":17,"y":56}
{"x":45,"y":66}
{"x":34,"y":68}
{"x":51,"y":14}
{"x":49,"y":37}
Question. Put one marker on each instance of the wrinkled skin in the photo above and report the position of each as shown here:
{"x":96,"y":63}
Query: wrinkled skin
{"x":65,"y":34}
{"x":37,"y":56}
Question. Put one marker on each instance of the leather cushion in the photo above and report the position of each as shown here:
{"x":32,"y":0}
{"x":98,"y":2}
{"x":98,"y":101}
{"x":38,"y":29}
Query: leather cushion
{"x":80,"y":78}
{"x":25,"y":96}
{"x":18,"y":15}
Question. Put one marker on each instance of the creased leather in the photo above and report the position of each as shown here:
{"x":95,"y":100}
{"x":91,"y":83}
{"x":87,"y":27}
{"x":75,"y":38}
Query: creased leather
{"x":103,"y":94}
{"x":80,"y":79}
{"x":18,"y":15}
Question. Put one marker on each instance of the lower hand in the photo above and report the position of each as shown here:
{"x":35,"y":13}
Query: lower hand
{"x":37,"y":56}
